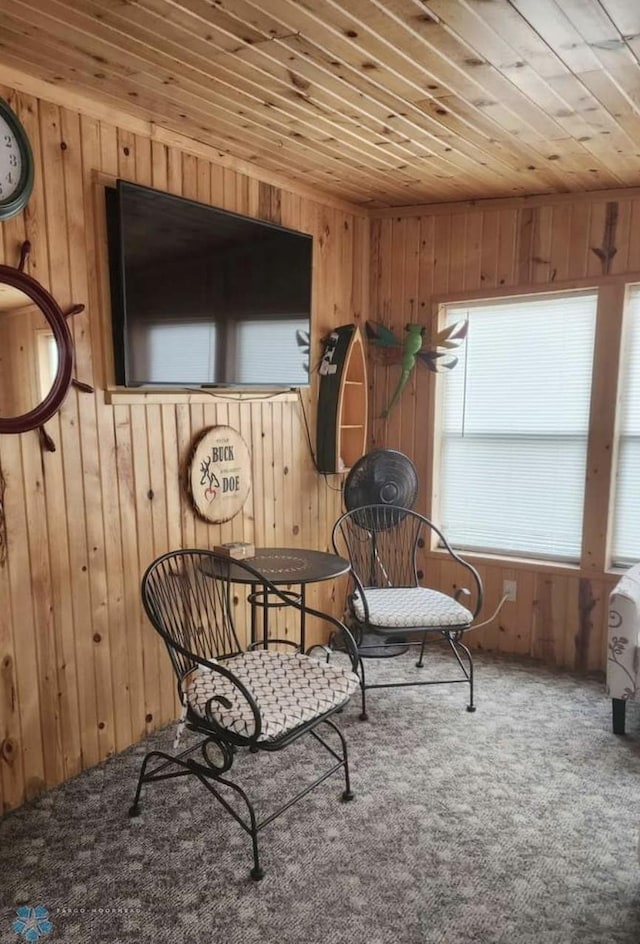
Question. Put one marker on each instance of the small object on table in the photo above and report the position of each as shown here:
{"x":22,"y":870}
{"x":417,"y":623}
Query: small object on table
{"x":237,"y":550}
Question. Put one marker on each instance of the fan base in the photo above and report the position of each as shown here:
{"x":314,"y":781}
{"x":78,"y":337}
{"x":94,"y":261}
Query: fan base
{"x":375,"y":646}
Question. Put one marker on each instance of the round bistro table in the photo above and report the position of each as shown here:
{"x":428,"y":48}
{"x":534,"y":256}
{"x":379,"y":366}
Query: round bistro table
{"x":285,"y":566}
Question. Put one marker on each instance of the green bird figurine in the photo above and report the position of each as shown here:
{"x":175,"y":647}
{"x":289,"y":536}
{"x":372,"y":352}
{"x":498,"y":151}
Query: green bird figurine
{"x":413,"y":349}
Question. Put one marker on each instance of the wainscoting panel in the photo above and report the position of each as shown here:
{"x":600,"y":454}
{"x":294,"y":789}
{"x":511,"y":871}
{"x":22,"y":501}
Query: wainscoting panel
{"x":82,"y":674}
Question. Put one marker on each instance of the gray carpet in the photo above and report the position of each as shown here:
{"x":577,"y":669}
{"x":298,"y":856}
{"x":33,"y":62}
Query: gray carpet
{"x":518,"y":824}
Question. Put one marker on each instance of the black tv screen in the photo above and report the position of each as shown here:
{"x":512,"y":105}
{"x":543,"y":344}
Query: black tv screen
{"x":204,"y":297}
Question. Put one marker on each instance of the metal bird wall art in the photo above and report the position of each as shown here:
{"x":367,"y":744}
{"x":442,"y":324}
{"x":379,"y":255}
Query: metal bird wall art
{"x":413,"y":348}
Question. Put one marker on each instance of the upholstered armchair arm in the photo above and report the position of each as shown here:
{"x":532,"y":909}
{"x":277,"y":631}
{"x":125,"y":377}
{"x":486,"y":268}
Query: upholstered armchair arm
{"x":623,"y":653}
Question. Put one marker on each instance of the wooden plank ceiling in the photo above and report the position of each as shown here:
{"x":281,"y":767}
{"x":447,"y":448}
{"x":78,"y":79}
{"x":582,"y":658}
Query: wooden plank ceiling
{"x":381,"y":102}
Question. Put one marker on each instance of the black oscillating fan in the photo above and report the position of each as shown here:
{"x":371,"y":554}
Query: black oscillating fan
{"x":383,"y":476}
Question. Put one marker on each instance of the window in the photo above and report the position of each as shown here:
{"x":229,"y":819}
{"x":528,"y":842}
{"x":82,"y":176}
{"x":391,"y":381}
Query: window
{"x":47,"y":361}
{"x":514,"y":423}
{"x":625,"y":537}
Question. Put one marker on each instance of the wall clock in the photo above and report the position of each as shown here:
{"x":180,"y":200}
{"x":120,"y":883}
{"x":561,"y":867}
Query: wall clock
{"x":16,"y":164}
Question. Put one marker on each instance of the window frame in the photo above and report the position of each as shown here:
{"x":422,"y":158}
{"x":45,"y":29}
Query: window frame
{"x":602,"y":437}
{"x":617,"y":567}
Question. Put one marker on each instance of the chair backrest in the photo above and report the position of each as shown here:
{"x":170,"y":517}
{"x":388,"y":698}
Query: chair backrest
{"x":382,"y":541}
{"x":187,"y":597}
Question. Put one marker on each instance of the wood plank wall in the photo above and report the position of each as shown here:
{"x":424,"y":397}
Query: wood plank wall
{"x":423,"y":256}
{"x":81,"y":672}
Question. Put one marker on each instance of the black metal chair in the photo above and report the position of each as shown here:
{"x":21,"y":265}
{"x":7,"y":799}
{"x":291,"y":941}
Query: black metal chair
{"x":389,"y":609}
{"x":263,"y":699}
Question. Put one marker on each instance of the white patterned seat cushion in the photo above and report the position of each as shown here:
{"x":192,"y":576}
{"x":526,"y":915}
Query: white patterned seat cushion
{"x":288,"y":688}
{"x":411,"y":608}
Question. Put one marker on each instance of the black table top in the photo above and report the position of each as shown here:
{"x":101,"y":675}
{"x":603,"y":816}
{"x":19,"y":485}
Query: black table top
{"x":296,"y":565}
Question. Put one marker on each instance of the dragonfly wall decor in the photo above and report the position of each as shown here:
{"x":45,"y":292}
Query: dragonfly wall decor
{"x":415,"y":347}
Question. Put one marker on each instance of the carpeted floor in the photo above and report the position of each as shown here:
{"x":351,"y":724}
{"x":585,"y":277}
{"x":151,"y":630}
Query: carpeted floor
{"x":517,"y":824}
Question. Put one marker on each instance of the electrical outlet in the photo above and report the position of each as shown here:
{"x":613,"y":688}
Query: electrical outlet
{"x":509,"y":588}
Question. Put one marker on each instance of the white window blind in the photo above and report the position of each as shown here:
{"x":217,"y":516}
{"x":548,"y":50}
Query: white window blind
{"x":185,"y":352}
{"x":514,"y":424}
{"x":272,"y":352}
{"x":625,"y":537}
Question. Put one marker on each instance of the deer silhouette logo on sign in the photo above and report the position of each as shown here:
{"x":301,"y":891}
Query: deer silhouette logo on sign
{"x":219,"y":473}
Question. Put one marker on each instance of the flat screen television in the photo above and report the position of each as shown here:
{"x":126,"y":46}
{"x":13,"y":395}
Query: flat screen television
{"x":204,"y":297}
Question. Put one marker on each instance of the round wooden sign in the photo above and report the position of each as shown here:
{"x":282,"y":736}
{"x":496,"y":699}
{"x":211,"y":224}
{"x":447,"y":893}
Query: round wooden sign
{"x":219,"y":473}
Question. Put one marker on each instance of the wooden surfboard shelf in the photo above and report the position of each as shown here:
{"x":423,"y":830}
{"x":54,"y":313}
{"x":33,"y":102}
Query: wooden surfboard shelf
{"x":342,"y":401}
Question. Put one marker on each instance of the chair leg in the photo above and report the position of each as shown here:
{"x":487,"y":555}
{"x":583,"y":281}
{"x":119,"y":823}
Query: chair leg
{"x":134,"y":809}
{"x":420,"y":662}
{"x":168,"y":761}
{"x":363,"y":690}
{"x":455,"y":645}
{"x":348,"y":793}
{"x":257,"y":872}
{"x":204,"y":775}
{"x":619,"y":707}
{"x":156,"y":773}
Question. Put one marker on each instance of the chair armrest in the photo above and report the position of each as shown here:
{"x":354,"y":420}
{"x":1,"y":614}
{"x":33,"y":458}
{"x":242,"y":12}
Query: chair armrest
{"x":471,"y":570}
{"x":218,"y":668}
{"x":345,"y":634}
{"x":477,"y":583}
{"x":287,"y":600}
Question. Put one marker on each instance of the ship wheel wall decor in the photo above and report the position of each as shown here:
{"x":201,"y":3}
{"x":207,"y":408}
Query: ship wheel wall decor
{"x":36,"y":356}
